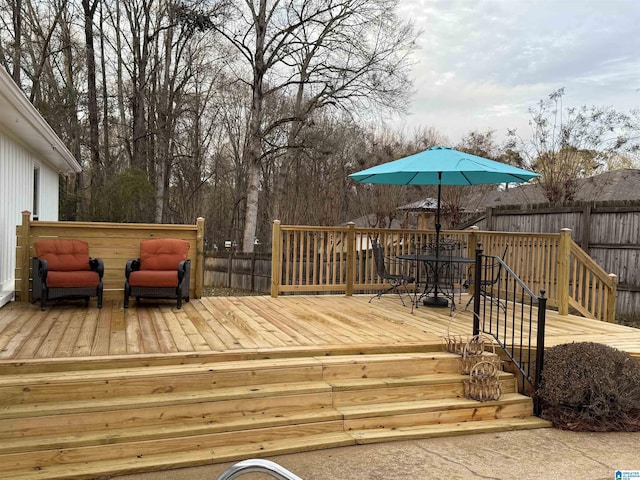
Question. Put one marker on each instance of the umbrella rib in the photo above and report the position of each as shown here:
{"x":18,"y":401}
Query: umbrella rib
{"x":464,"y":175}
{"x":411,"y":179}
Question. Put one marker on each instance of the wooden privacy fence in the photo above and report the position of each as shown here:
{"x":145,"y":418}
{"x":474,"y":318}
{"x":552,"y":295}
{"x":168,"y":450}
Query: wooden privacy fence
{"x":340,"y":260}
{"x":114,"y":243}
{"x":606,"y":231}
{"x":250,"y":272}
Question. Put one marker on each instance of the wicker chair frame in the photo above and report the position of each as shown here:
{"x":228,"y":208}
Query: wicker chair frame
{"x":40,"y":290}
{"x":179,"y":293}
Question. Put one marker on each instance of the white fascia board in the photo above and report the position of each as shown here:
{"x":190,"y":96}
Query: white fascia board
{"x":24,"y":122}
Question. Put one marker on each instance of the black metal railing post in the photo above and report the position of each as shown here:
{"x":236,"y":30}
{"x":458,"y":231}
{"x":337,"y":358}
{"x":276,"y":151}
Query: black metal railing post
{"x":477,"y":282}
{"x":542,"y":308}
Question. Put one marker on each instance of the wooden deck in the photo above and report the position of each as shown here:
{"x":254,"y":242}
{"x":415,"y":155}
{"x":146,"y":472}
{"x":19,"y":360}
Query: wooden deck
{"x":253,"y":325}
{"x":90,"y":393}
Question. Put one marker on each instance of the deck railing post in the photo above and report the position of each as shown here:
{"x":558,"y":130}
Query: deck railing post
{"x":611,"y":298}
{"x":276,"y":258}
{"x":542,"y":308}
{"x":199,"y":257}
{"x":25,"y":234}
{"x":476,"y":298}
{"x":351,"y":258}
{"x":564,"y":262}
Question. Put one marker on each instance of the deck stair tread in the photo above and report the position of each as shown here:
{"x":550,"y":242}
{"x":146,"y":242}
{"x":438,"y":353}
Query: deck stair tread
{"x":165,"y":430}
{"x":166,"y":399}
{"x":392,"y":382}
{"x":386,"y":365}
{"x":180,"y":446}
{"x":114,"y":374}
{"x":97,"y":363}
{"x":195,"y":457}
{"x":461,"y":428}
{"x":441,"y":404}
{"x":127,"y":373}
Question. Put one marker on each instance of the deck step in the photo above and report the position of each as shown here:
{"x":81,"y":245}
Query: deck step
{"x":389,"y":365}
{"x":109,"y":421}
{"x":434,"y":411}
{"x":163,"y":430}
{"x":398,"y":389}
{"x":196,"y":457}
{"x":380,"y":435}
{"x":151,"y":380}
{"x":105,"y":460}
{"x":251,"y":392}
{"x":142,"y":381}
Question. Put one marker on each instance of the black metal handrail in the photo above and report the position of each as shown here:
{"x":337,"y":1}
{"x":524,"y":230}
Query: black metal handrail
{"x":505,"y":308}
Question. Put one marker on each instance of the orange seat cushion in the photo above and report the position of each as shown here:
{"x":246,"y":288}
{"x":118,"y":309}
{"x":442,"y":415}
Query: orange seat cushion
{"x":73,"y":279}
{"x":154,"y":278}
{"x":162,"y":253}
{"x":64,"y":255}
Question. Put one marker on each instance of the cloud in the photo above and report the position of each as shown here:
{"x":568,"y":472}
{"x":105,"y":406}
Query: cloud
{"x":482,"y":64}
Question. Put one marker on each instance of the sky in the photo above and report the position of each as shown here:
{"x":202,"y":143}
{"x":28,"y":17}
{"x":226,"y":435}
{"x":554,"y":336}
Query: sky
{"x":482,"y":64}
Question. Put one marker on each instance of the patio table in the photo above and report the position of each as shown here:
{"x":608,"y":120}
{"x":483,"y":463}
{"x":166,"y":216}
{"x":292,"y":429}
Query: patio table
{"x":442,"y":263}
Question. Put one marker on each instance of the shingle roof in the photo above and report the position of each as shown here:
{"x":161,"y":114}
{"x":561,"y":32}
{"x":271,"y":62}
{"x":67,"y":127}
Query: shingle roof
{"x":613,"y":185}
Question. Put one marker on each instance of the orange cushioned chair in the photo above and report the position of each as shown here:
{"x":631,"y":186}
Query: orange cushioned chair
{"x":162,"y":271}
{"x":63,"y":269}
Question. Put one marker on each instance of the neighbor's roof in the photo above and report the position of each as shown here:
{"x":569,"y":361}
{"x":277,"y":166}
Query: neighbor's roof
{"x":373,"y":221}
{"x":429,"y":204}
{"x":614,"y":185}
{"x":21,"y":119}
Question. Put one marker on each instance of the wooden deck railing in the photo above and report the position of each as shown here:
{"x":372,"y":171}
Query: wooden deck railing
{"x":339,"y":260}
{"x":591,"y":290}
{"x":115,"y":243}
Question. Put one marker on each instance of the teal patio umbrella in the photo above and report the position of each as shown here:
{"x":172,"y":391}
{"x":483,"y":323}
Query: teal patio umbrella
{"x":442,"y":166}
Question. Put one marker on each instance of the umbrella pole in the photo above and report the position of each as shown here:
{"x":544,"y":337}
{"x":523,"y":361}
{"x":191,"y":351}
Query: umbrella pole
{"x":435,"y":300}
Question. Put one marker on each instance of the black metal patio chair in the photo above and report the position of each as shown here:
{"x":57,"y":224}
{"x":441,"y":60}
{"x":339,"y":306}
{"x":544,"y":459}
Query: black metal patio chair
{"x":396,"y":280}
{"x":491,"y":275}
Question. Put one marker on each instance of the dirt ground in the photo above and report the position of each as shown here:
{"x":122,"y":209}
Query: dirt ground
{"x":543,"y":454}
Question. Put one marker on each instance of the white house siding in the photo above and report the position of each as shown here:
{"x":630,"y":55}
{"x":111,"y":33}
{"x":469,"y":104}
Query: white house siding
{"x":16,"y":195}
{"x":49,"y":188}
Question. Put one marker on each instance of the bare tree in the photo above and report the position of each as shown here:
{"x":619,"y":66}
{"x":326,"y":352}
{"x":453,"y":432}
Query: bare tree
{"x":568,"y":143}
{"x":17,"y":45}
{"x":344,"y":53}
{"x":89,"y":9}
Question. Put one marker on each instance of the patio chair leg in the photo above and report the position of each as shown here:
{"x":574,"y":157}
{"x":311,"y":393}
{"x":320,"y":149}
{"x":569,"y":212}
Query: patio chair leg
{"x":400,"y":295}
{"x":469,"y":302}
{"x":379,"y":295}
{"x":127,"y":293}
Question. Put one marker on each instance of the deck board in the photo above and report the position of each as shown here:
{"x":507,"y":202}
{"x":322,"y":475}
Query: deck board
{"x":254,"y":323}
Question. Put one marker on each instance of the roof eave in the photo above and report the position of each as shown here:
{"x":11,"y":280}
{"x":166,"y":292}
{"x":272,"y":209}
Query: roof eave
{"x":25,"y":123}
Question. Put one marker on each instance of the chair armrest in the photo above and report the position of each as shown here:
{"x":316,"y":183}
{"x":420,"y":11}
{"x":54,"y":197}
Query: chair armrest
{"x":97,"y":265}
{"x":40,"y":268}
{"x":132,"y":266}
{"x":183,"y":269}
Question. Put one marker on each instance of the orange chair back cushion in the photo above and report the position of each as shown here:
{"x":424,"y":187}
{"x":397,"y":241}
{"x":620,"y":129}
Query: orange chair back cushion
{"x":64,"y":255}
{"x":162,"y":253}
